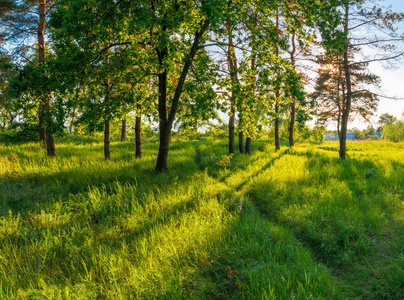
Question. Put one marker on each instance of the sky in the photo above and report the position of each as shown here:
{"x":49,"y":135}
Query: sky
{"x":392,"y":81}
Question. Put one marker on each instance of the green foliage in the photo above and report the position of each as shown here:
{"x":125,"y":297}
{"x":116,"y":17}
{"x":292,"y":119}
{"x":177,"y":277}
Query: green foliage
{"x":394,"y":131}
{"x":330,"y":90}
{"x":385,"y":119}
{"x":24,"y":132}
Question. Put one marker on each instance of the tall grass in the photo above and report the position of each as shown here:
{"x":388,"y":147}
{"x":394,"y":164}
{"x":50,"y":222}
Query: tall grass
{"x":298,"y":223}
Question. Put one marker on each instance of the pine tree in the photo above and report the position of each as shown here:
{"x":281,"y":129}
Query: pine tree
{"x":23,"y":28}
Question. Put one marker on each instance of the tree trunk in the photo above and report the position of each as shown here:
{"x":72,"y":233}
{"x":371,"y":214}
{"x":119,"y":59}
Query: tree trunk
{"x":138,"y":131}
{"x":253,"y":69}
{"x":277,"y":144}
{"x":107,"y":124}
{"x":45,"y":107}
{"x":232,"y":62}
{"x":277,"y":94}
{"x":107,"y":141}
{"x":293,"y":104}
{"x":347,"y":106}
{"x":292,"y":122}
{"x":162,"y":157}
{"x":231,"y":128}
{"x":248,"y":145}
{"x":123,"y":131}
{"x":166,"y":122}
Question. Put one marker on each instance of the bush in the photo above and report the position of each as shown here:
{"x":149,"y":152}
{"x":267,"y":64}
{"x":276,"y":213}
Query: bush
{"x":22,"y":133}
{"x":394,"y":131}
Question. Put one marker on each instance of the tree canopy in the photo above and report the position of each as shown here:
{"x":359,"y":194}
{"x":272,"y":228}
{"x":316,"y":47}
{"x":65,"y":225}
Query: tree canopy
{"x":183,"y":64}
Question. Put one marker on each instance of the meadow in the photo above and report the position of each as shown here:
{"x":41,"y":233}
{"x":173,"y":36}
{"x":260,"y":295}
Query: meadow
{"x":294,"y":224}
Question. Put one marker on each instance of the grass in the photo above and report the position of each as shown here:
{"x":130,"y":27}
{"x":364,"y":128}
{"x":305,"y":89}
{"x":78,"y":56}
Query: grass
{"x":293,"y":224}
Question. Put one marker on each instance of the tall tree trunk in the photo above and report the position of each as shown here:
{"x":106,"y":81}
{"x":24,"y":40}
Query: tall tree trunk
{"x":107,"y":125}
{"x":277,"y":143}
{"x":123,"y":131}
{"x":347,"y":106}
{"x":293,"y":104}
{"x":231,"y":127}
{"x":138,"y":130}
{"x":232,"y":62}
{"x":292,"y":122}
{"x":253,"y":69}
{"x":277,"y":93}
{"x":164,"y":129}
{"x":166,"y":122}
{"x":107,"y":140}
{"x":107,"y":118}
{"x":45,"y":107}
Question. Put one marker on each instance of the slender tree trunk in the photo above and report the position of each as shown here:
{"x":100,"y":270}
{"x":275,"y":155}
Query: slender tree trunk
{"x":347,"y":106}
{"x":45,"y":109}
{"x":231,"y":127}
{"x":166,"y":122}
{"x":277,"y":94}
{"x":232,"y":62}
{"x":292,"y":122}
{"x":277,"y":143}
{"x":293,"y":104}
{"x":164,"y":129}
{"x":107,"y":125}
{"x":253,"y":69}
{"x":107,"y":140}
{"x":123,"y":131}
{"x":138,"y":131}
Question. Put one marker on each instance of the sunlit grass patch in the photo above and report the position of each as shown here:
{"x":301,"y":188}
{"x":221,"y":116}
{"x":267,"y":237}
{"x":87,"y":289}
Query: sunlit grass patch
{"x":296,"y":223}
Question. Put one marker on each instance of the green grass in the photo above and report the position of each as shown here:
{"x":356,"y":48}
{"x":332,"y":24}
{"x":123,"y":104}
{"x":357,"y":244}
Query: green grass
{"x":295,"y":224}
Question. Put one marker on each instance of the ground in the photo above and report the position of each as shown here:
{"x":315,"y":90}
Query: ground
{"x":297,"y":223}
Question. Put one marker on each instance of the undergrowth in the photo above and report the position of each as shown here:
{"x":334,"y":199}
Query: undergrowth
{"x":298,"y":223}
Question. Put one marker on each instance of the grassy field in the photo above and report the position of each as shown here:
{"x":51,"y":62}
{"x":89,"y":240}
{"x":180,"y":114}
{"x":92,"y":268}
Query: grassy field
{"x":295,"y":224}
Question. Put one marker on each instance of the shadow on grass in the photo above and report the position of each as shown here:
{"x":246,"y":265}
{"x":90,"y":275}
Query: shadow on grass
{"x":25,"y":193}
{"x":341,"y":210}
{"x":199,"y":244}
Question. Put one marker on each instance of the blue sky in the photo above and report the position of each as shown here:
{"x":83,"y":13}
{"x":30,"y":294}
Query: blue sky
{"x":392,"y":80}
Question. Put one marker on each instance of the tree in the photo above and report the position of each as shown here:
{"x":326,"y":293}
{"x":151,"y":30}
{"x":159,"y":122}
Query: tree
{"x":357,"y":17}
{"x":385,"y":119}
{"x":173,"y":31}
{"x":111,"y":63}
{"x":20,"y":22}
{"x":394,"y":131}
{"x":330,"y":95}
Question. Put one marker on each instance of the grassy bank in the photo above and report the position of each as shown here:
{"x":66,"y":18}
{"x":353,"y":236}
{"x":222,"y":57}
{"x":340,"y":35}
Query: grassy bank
{"x":297,"y":223}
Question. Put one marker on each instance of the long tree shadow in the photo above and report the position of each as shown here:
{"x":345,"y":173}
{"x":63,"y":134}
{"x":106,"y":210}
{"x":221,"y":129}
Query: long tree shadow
{"x":340,"y":210}
{"x":23,"y":193}
{"x":174,"y":236}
